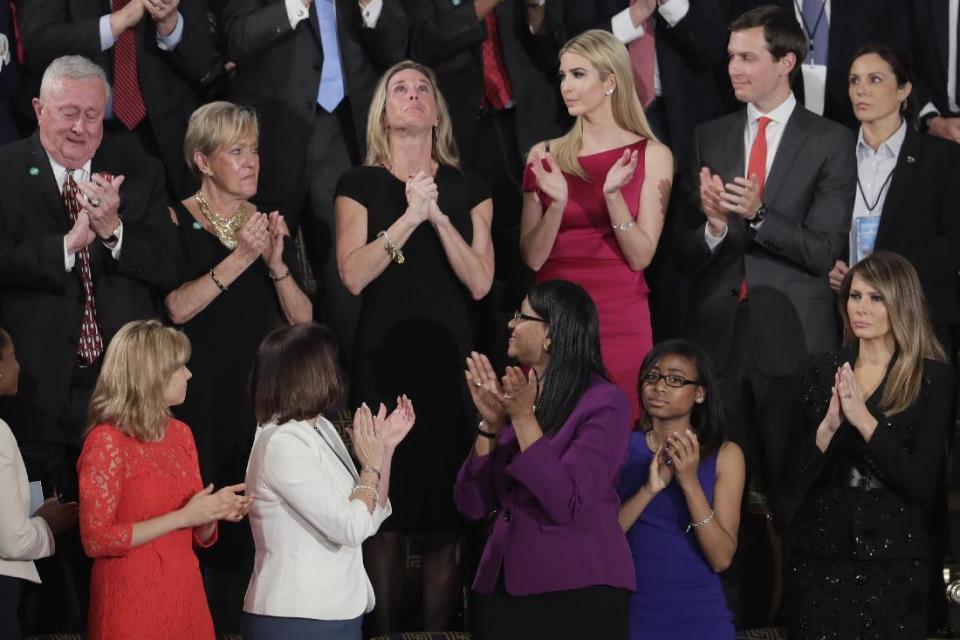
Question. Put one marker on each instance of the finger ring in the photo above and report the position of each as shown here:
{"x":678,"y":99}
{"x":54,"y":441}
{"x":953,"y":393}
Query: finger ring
{"x":95,"y":202}
{"x":478,"y":383}
{"x":508,"y":396}
{"x":848,"y":395}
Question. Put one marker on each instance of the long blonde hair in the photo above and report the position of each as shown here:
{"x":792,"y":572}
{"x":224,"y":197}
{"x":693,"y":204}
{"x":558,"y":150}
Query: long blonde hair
{"x":130,"y":392}
{"x":896,"y":280}
{"x":609,"y":57}
{"x":378,"y":140}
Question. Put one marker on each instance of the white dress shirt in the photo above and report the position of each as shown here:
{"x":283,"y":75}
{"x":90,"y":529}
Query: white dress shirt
{"x":773,"y":134}
{"x":874,"y":174}
{"x":296,"y":12}
{"x":22,"y":539}
{"x":622,"y":27}
{"x":307,"y":530}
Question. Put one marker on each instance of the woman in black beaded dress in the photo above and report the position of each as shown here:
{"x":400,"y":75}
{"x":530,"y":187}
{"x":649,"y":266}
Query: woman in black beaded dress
{"x":413,"y":238}
{"x":861,"y":478}
{"x":239,"y":282}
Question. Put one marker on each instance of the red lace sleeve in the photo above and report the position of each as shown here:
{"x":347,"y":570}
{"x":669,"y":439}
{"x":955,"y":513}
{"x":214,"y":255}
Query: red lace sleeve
{"x":101,"y":471}
{"x":185,"y":438}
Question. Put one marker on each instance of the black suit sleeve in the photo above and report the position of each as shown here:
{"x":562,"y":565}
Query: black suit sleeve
{"x":817,"y":242}
{"x":194,"y":55}
{"x":48,"y":31}
{"x":436,"y":37}
{"x":386,"y":42}
{"x":150,"y":250}
{"x":914,"y":473}
{"x":939,"y":259}
{"x":36,"y":263}
{"x":699,"y":36}
{"x":250,"y":27}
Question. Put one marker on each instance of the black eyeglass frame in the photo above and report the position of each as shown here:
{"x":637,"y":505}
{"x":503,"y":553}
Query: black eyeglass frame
{"x":519,"y":315}
{"x":657,"y":377}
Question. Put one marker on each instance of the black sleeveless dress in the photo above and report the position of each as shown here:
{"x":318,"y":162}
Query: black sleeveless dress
{"x":415,"y":330}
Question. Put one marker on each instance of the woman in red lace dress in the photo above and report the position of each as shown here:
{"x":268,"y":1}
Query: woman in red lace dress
{"x":595,"y":200}
{"x":142,"y":506}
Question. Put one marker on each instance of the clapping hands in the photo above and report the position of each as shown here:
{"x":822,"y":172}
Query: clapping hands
{"x":485,"y":391}
{"x":367,"y":435}
{"x":550,"y":179}
{"x":397,"y":425}
{"x":621,"y":173}
{"x":207,"y":506}
{"x":272,"y":252}
{"x":660,"y":474}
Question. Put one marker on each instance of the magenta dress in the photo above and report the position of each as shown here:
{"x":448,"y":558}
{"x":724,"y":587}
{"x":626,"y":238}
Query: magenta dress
{"x":586,"y":252}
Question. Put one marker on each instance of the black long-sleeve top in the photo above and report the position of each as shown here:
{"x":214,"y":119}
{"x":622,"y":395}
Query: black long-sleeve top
{"x":829,"y":519}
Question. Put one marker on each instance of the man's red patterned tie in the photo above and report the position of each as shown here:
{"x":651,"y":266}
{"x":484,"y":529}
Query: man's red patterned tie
{"x":91,"y":342}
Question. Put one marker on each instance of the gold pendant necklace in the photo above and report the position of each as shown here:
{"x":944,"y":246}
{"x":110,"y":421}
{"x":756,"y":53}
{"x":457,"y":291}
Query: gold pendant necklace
{"x":226,"y":228}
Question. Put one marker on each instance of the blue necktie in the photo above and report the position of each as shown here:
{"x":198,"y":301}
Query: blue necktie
{"x":330,"y":93}
{"x":817,"y":26}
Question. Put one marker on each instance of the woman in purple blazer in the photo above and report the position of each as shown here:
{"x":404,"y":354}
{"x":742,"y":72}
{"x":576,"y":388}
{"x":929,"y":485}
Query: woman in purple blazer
{"x":545,"y":464}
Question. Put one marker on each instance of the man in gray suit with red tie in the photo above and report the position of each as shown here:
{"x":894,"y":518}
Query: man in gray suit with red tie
{"x":768,"y":197}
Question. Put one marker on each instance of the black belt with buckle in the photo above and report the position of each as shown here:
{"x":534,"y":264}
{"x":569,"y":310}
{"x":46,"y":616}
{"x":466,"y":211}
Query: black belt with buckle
{"x":859,"y":479}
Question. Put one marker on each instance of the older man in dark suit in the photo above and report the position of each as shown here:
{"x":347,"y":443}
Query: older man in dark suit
{"x":769,"y":193}
{"x":157,"y":56}
{"x":86,"y":245}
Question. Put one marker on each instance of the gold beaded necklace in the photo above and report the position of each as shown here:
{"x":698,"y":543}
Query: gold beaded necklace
{"x":226,"y":228}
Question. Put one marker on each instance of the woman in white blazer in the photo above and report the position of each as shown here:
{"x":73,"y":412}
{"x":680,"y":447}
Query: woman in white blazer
{"x":312,"y":508}
{"x":22,"y":539}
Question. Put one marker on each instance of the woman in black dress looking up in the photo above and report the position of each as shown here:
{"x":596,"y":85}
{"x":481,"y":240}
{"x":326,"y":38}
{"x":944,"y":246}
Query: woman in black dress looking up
{"x":413,"y":238}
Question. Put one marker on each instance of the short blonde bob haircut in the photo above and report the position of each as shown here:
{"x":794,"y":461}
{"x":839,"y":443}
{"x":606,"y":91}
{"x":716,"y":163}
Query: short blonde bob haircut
{"x":609,"y":57}
{"x":131,"y":389}
{"x":215,"y":124}
{"x":898,"y":284}
{"x":378,"y":135}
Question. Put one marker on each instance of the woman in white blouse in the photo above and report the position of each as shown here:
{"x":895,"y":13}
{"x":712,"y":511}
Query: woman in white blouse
{"x":22,"y":539}
{"x":312,"y":509}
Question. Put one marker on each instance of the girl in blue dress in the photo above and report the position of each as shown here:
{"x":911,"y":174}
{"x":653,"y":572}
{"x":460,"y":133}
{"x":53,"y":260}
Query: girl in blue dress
{"x":680,"y":491}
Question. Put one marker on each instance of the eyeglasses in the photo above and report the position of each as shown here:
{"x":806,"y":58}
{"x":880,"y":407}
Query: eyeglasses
{"x":672,"y":379}
{"x":519,"y":315}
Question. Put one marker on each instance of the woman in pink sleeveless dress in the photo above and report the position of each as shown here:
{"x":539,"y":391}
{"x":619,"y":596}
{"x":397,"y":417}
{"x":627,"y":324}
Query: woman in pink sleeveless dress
{"x":595,"y":200}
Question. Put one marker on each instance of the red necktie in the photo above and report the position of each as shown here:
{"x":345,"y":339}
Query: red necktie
{"x":91,"y":343}
{"x":16,"y":31}
{"x":127,"y":99}
{"x":496,"y":84}
{"x":757,"y":166}
{"x":642,"y":53}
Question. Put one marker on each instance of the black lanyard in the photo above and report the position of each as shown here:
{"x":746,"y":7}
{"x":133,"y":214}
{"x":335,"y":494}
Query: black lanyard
{"x":816,"y":25}
{"x":883,"y":186}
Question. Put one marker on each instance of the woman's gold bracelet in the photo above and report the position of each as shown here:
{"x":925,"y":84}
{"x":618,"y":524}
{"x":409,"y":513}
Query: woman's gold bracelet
{"x":395,"y":253}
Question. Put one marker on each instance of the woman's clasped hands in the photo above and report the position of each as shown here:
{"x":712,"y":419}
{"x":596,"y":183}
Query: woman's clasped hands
{"x":207,"y":506}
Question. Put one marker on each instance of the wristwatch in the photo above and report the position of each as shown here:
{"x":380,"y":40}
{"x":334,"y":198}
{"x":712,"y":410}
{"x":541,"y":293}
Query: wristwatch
{"x":759,"y":216}
{"x":112,"y":240}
